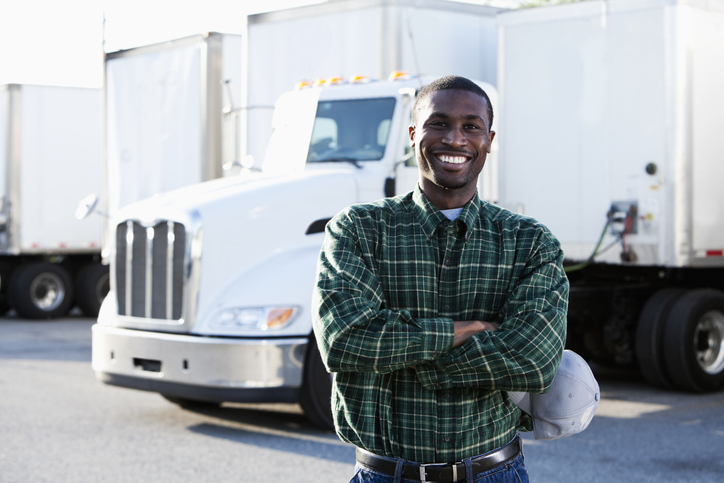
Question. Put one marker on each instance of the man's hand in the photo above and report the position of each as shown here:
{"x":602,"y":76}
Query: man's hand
{"x":467,"y":328}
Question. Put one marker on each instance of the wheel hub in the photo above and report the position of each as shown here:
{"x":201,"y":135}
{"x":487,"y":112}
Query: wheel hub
{"x":709,"y":342}
{"x":47,"y":291}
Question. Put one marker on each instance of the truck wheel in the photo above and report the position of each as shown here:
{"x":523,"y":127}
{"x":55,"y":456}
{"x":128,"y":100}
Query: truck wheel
{"x":4,"y":274}
{"x":191,"y":403}
{"x":92,"y":283}
{"x":316,"y":395}
{"x":41,"y":291}
{"x":4,"y":304}
{"x":650,"y":336}
{"x":694,"y":341}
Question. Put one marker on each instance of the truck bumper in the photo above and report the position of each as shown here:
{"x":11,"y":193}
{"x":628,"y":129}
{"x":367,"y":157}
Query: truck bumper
{"x":200,"y":368}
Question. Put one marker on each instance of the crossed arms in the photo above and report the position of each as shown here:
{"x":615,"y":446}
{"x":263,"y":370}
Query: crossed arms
{"x":518,"y":352}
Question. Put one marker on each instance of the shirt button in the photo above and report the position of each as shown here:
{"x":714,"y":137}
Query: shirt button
{"x":447,"y":307}
{"x":447,"y":439}
{"x":445,"y":223}
{"x":447,"y":395}
{"x":447,"y":262}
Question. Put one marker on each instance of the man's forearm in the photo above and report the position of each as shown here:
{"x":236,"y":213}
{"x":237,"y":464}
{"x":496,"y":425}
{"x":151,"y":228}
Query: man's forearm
{"x":467,"y":328}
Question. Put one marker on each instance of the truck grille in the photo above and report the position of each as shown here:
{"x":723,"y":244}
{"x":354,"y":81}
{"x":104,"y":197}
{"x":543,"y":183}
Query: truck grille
{"x":150,"y":269}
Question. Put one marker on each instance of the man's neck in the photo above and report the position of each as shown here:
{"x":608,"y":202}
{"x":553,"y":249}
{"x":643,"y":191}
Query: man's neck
{"x":447,"y":199}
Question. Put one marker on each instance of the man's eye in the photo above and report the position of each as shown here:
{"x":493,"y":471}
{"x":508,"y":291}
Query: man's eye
{"x":471,"y":126}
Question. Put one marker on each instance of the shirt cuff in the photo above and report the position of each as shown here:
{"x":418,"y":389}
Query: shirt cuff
{"x":440,"y":335}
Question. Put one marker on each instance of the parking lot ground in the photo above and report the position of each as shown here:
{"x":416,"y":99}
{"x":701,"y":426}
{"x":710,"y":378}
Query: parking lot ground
{"x":59,"y":424}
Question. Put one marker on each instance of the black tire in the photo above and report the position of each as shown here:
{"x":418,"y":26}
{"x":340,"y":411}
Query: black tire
{"x":650,"y":336}
{"x":92,"y":283}
{"x":191,"y":403}
{"x":40,"y":291}
{"x":4,"y":304}
{"x":694,"y":341}
{"x":316,"y":394}
{"x":5,"y":270}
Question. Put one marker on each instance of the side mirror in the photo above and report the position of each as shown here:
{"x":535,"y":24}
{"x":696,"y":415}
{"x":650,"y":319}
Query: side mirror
{"x":86,"y":206}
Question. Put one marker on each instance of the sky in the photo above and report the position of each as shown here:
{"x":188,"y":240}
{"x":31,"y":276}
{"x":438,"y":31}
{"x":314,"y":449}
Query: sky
{"x":61,"y":42}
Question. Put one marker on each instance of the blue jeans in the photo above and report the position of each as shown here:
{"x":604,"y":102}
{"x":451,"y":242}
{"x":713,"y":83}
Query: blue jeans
{"x":513,"y":472}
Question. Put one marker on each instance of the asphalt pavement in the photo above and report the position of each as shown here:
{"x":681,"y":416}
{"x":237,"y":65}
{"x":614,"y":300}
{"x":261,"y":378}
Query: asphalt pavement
{"x":59,"y":424}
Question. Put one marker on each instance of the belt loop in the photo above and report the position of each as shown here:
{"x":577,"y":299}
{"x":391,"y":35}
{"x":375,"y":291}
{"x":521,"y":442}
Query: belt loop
{"x":520,"y":444}
{"x":468,"y":470}
{"x":398,"y":470}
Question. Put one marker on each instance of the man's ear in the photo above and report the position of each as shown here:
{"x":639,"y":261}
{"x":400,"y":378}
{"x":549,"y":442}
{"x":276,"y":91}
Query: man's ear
{"x":491,"y":135}
{"x":411,"y":134}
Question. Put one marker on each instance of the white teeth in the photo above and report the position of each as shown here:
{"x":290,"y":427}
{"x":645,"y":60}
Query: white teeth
{"x":453,"y":159}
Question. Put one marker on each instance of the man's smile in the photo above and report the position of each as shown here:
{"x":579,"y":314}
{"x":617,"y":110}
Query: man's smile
{"x":453,"y":158}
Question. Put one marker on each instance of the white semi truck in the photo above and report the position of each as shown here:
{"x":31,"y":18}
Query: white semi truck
{"x":211,"y":284}
{"x":609,"y":135}
{"x":50,"y":157}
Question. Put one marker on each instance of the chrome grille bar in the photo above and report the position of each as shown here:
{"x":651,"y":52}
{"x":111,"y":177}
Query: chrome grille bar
{"x":149,"y":268}
{"x":170,"y":239}
{"x":129,"y":264}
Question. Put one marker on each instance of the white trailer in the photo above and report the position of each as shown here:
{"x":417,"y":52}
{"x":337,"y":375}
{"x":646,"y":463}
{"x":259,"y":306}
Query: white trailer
{"x":610,"y":112}
{"x":350,"y":38}
{"x":171,"y":114}
{"x":50,"y":157}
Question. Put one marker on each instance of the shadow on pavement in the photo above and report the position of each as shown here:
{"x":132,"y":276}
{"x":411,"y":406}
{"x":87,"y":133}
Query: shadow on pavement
{"x":273,"y":429}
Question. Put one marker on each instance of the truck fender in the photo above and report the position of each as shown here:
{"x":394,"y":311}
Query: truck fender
{"x":283,"y":279}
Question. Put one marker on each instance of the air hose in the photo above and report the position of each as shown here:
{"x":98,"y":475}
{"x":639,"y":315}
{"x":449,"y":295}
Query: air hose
{"x":582,"y":265}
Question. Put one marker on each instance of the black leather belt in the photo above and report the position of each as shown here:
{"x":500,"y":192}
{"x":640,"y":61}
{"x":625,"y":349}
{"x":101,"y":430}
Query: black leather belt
{"x":441,"y":473}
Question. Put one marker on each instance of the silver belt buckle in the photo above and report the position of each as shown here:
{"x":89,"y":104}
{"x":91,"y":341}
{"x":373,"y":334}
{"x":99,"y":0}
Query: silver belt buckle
{"x":423,"y":473}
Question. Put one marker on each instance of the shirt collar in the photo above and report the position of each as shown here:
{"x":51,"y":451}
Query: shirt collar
{"x":430,"y":217}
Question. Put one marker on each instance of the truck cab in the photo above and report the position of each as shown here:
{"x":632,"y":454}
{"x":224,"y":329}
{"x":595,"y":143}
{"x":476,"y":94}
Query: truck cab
{"x":211,"y":284}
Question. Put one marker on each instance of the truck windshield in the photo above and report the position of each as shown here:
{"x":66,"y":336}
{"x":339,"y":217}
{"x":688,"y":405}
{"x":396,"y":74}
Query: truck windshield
{"x":351,"y":130}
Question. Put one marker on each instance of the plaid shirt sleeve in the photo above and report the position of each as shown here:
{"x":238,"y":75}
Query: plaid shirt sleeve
{"x":524,"y":353}
{"x":354,"y":333}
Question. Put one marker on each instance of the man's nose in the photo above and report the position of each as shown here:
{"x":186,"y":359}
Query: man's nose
{"x":455,"y":137}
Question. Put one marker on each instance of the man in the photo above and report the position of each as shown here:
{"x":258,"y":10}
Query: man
{"x":430,"y":306}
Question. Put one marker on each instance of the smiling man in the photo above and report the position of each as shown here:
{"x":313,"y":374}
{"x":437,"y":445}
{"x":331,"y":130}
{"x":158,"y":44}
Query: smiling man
{"x":430,"y":306}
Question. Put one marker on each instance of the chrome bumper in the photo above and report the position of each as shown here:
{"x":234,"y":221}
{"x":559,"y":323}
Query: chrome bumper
{"x":197,"y":367}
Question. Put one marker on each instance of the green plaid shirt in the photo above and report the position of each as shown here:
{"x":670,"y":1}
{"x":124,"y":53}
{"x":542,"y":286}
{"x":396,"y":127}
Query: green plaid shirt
{"x":393,"y":275}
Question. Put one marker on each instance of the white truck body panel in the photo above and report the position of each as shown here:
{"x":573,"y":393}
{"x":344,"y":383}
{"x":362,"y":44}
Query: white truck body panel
{"x":4,"y":145}
{"x":4,"y":155}
{"x":361,"y":37}
{"x":250,"y":245}
{"x":50,"y":158}
{"x":581,"y":120}
{"x":165,"y":122}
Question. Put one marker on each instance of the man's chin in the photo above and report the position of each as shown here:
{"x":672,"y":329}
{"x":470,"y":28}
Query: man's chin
{"x":450,"y":185}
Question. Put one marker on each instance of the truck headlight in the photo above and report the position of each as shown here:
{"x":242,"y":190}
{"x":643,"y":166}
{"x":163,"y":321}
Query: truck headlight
{"x":260,"y":318}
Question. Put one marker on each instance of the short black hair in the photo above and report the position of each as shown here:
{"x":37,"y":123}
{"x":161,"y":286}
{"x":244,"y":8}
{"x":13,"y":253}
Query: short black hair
{"x":451,"y":82}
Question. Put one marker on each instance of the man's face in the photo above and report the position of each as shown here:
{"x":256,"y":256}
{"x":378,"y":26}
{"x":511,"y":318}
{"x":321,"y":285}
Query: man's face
{"x":451,"y":140}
